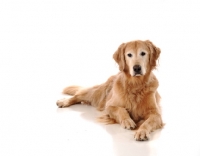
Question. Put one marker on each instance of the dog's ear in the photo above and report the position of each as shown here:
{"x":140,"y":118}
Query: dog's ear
{"x":155,"y":53}
{"x":119,"y":57}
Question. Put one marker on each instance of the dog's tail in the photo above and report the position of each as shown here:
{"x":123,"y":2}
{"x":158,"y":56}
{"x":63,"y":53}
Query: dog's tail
{"x":106,"y":119}
{"x":71,"y":90}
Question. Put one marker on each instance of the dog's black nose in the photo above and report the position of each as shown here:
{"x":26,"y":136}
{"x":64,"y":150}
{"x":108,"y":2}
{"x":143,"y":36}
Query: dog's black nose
{"x":137,"y":68}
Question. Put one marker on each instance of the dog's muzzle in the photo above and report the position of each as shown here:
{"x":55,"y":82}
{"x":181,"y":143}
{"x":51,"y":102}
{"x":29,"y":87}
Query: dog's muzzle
{"x":137,"y":70}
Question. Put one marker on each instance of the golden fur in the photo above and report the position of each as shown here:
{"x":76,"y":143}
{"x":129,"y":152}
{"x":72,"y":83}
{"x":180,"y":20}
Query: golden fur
{"x":129,"y":98}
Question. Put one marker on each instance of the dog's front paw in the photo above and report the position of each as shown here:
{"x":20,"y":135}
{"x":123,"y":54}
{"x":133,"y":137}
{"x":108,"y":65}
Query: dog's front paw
{"x":128,"y":123}
{"x":62,"y":103}
{"x":141,"y":135}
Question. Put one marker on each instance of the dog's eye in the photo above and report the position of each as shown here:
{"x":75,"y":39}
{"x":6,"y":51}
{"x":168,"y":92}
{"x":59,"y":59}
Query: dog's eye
{"x":129,"y":55}
{"x":143,"y":53}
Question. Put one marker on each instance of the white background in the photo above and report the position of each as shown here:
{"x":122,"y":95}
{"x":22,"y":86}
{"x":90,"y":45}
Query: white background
{"x":46,"y":45}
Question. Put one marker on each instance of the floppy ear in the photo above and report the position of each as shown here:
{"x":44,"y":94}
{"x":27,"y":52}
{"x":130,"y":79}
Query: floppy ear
{"x":155,"y":53}
{"x":119,"y":57}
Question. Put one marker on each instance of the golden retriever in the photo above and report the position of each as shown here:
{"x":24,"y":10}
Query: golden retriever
{"x":129,"y":98}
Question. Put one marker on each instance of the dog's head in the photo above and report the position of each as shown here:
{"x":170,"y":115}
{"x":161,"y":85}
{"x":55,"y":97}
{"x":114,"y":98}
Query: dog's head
{"x":137,"y":57}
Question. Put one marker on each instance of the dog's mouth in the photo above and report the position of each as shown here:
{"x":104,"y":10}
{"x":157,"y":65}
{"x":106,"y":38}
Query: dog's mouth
{"x":138,"y":74}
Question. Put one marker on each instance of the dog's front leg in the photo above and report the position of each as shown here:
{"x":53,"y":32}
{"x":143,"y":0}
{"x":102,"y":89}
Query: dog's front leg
{"x":151,"y":123}
{"x":120,"y":115}
{"x":152,"y":118}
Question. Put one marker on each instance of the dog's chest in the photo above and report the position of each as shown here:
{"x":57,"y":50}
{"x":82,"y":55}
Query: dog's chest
{"x":135,"y":99}
{"x":136,"y":95}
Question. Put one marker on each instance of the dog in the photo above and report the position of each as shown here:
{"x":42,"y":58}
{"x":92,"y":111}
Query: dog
{"x":129,"y":98}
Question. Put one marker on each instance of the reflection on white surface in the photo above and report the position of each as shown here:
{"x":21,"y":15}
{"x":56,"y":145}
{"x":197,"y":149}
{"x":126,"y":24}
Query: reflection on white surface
{"x":47,"y":45}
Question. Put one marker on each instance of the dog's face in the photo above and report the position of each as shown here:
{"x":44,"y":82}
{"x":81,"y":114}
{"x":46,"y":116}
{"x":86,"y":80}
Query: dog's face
{"x":137,"y":57}
{"x":137,"y":60}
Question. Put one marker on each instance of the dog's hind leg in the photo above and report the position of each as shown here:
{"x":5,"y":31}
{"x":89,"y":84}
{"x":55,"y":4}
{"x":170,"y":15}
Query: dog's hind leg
{"x":66,"y":102}
{"x":80,"y":97}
